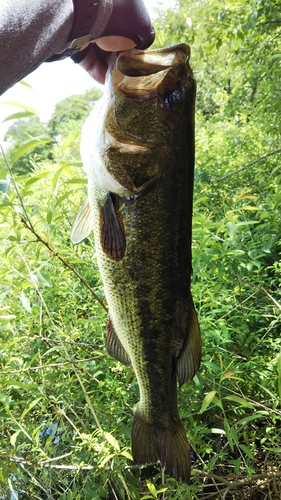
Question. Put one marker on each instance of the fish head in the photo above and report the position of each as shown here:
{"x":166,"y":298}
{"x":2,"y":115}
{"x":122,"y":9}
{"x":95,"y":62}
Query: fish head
{"x":146,"y":113}
{"x":152,"y":96}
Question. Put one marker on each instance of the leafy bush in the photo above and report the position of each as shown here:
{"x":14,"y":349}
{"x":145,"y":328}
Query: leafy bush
{"x":66,"y":406}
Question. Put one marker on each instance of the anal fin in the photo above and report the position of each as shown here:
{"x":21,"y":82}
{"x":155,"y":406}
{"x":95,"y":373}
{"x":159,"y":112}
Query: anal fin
{"x":114,"y":346}
{"x":189,"y":358}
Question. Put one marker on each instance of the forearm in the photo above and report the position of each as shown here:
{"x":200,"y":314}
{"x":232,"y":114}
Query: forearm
{"x":30,"y":32}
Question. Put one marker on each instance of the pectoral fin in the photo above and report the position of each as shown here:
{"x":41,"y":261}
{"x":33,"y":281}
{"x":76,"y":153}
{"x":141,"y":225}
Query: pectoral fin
{"x":189,"y":358}
{"x":114,"y":346}
{"x":83,"y":224}
{"x":112,"y":235}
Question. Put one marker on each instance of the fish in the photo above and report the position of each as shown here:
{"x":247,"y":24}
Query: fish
{"x":137,"y":149}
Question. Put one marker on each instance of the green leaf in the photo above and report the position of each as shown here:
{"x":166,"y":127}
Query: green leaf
{"x":68,"y":141}
{"x":273,"y":450}
{"x":25,"y":84}
{"x":217,"y":401}
{"x":7,"y":317}
{"x":49,"y":217}
{"x":214,"y":430}
{"x":247,"y":451}
{"x":106,"y":459}
{"x":3,"y":294}
{"x":152,"y":489}
{"x":77,"y":181}
{"x":44,"y":279}
{"x":250,"y":418}
{"x":279,"y":375}
{"x":111,"y":440}
{"x":207,"y":400}
{"x":28,"y":146}
{"x":241,"y":401}
{"x":21,"y":105}
{"x":276,"y":56}
{"x":60,"y":199}
{"x":36,"y":178}
{"x":234,"y":435}
{"x":57,"y":175}
{"x":20,"y":114}
{"x":30,"y":406}
{"x":14,"y":436}
{"x":126,"y":454}
{"x":237,"y":465}
{"x":228,"y":433}
{"x":25,"y":302}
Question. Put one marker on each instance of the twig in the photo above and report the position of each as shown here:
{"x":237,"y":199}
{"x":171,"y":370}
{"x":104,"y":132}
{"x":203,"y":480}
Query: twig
{"x":62,"y":412}
{"x":237,"y":483}
{"x":271,"y":153}
{"x":54,"y":459}
{"x":88,"y":399}
{"x":65,"y":263}
{"x":209,"y":475}
{"x":51,"y":365}
{"x":70,"y":342}
{"x":271,"y":298}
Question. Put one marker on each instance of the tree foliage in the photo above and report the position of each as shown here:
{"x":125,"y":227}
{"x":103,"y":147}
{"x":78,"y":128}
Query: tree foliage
{"x":29,"y":134}
{"x":65,"y":405}
{"x":70,"y":113}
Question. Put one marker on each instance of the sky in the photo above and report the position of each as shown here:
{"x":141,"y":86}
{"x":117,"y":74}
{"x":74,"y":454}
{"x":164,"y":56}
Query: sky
{"x":51,"y":83}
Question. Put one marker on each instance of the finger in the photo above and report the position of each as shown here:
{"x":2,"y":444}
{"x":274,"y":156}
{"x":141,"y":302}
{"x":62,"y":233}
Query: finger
{"x":115,"y":43}
{"x":95,"y":63}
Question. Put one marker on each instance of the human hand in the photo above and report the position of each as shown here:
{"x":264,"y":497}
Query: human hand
{"x":129,"y":26}
{"x":98,"y":54}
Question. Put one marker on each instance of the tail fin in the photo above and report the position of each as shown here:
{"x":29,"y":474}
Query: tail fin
{"x":168,"y":445}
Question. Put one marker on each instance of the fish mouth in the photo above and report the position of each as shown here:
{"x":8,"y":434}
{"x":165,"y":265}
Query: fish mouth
{"x":138,"y":63}
{"x":140,"y":76}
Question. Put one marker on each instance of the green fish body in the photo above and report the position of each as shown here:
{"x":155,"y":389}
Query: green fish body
{"x":138,"y":151}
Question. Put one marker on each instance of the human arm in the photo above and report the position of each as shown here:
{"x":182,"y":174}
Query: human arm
{"x":32,"y":32}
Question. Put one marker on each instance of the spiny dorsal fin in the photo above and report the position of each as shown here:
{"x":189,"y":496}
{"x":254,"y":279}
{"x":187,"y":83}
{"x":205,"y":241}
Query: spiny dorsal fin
{"x":114,"y":346}
{"x":189,"y":358}
{"x":83,"y":224}
{"x":112,"y":235}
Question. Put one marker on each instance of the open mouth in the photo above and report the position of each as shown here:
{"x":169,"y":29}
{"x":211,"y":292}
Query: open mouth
{"x":138,"y":63}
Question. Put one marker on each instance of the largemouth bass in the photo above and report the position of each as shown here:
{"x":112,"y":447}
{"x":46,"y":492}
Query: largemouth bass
{"x":138,"y":152}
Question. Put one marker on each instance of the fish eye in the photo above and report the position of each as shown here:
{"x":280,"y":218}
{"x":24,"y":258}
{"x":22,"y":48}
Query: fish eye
{"x":172,"y":99}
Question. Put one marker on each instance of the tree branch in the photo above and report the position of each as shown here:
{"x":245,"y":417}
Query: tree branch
{"x":271,"y":153}
{"x":64,"y":262}
{"x":51,"y":365}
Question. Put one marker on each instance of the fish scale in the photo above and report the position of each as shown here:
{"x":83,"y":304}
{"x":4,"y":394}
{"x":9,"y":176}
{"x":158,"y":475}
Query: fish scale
{"x":140,"y":187}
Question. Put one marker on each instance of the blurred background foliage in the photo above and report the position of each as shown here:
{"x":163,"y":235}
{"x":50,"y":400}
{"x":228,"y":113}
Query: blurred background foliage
{"x":65,"y":405}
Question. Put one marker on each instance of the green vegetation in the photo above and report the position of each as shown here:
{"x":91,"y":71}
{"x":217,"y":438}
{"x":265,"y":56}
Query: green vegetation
{"x":65,"y":405}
